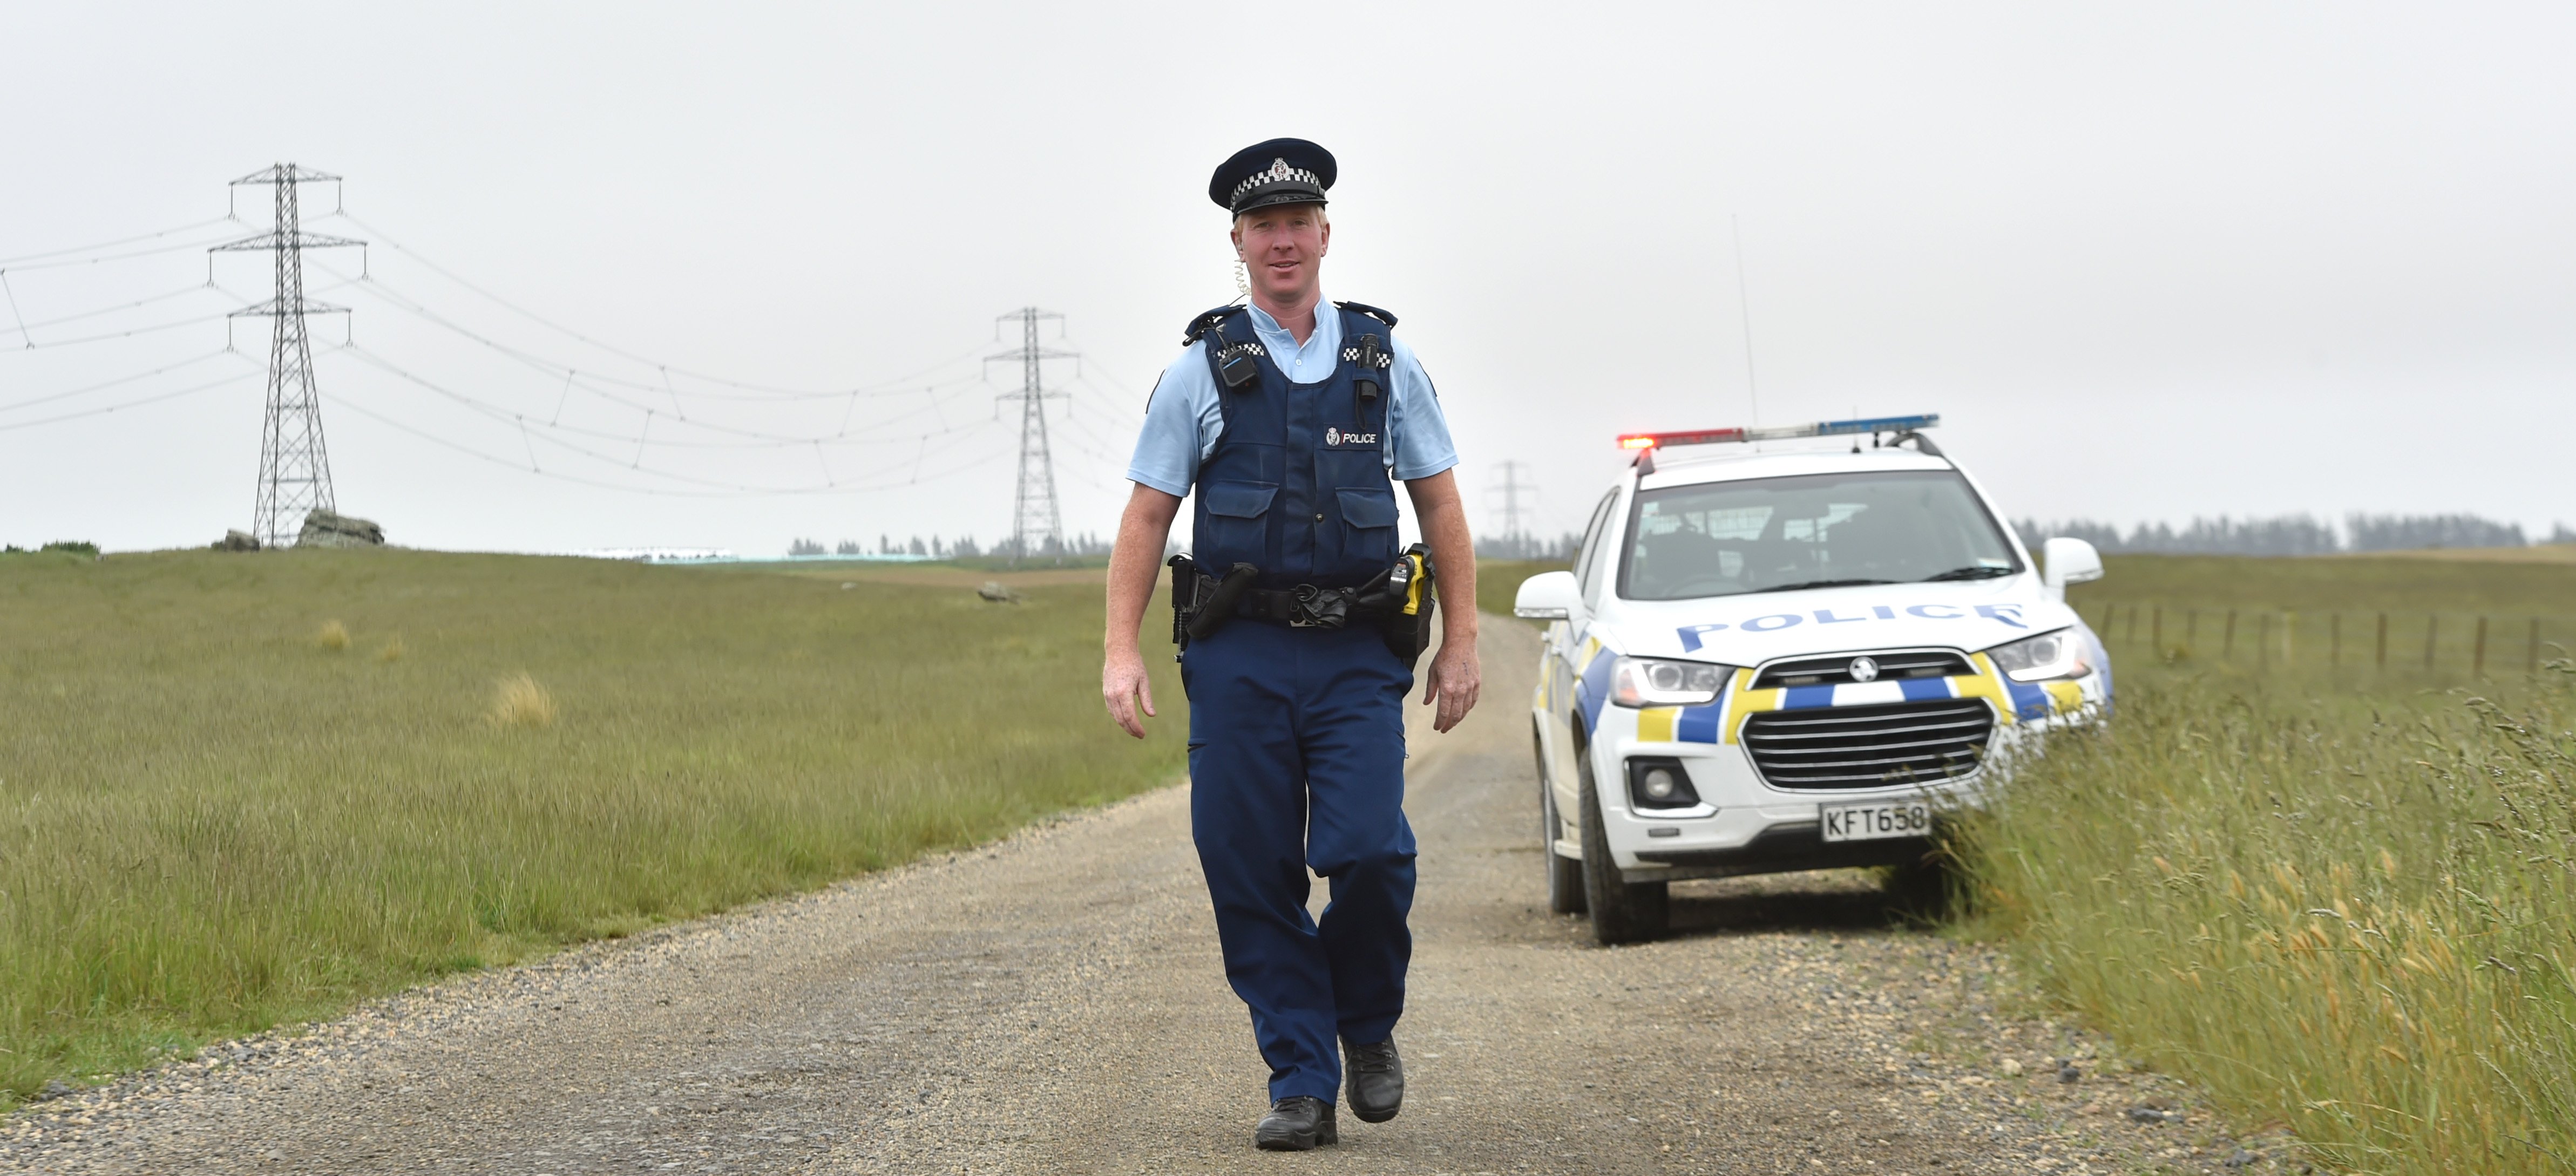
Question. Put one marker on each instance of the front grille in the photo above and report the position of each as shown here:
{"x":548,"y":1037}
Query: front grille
{"x":1869,"y":746}
{"x":1836,"y":670}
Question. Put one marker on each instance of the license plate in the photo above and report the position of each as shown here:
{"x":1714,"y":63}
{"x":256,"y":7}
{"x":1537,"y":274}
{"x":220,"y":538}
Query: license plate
{"x":1871,"y":822}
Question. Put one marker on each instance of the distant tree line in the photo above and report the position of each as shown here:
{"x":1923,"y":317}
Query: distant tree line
{"x":1549,"y":547}
{"x":2292,"y":534}
{"x":962,"y":547}
{"x":2287,"y":535}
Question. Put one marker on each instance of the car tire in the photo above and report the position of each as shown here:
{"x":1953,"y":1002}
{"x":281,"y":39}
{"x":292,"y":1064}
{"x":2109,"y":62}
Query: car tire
{"x":1564,"y":874}
{"x":1925,"y":889}
{"x":1622,"y":911}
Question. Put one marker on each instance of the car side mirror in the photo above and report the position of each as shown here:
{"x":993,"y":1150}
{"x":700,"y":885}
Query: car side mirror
{"x":2067,"y":561}
{"x":1547,"y":596}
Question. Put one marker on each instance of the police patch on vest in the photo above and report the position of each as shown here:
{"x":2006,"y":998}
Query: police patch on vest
{"x":1336,"y":437}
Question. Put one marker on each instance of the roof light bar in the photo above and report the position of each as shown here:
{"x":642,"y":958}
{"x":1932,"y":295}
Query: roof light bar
{"x":1902,"y":424}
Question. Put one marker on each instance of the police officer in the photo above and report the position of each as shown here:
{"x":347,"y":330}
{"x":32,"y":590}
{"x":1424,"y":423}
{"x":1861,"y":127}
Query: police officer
{"x":1292,"y":418}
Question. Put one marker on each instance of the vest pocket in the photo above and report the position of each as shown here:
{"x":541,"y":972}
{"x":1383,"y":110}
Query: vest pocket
{"x":1236,"y":514}
{"x":1368,"y":530}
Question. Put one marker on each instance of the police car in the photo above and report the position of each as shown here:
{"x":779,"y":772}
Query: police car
{"x":1788,"y":659}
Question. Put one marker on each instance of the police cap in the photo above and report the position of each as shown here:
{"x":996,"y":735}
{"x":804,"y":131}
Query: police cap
{"x":1281,"y":171}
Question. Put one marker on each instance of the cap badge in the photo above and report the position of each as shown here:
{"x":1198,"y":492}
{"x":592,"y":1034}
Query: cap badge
{"x":1864,"y":669}
{"x":1278,"y":173}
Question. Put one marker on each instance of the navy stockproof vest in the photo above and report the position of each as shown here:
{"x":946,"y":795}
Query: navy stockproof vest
{"x":1297,"y":486}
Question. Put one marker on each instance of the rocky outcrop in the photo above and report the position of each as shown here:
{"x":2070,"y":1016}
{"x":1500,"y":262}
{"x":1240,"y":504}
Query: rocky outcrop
{"x":324,"y":528}
{"x":237,"y":541}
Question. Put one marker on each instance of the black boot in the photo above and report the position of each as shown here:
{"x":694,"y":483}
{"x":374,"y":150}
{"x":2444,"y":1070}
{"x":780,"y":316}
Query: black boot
{"x":1374,"y":1078}
{"x":1296,"y":1123}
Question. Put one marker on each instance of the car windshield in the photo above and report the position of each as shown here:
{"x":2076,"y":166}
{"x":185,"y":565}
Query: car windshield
{"x":1816,"y":531}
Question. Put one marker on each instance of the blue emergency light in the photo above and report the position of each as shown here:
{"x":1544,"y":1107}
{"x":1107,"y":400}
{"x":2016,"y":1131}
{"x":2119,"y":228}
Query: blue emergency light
{"x":1899,"y":425}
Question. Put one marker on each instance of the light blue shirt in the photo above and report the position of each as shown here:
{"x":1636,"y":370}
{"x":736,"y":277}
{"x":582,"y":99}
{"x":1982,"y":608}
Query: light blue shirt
{"x":1183,"y":419}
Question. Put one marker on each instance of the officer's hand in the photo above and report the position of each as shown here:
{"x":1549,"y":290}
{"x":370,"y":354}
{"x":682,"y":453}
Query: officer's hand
{"x":1456,"y":677}
{"x":1123,"y":686}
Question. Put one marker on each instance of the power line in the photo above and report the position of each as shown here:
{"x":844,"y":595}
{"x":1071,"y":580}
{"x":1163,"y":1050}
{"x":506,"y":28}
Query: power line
{"x":515,"y":417}
{"x":181,"y":292}
{"x":417,"y":309}
{"x":54,"y":396}
{"x":524,"y":427}
{"x":188,"y":228}
{"x":759,"y":439}
{"x":64,"y":263}
{"x":728,"y":490}
{"x":155,"y":328}
{"x":296,"y":473}
{"x":156,"y":399}
{"x":646,"y":360}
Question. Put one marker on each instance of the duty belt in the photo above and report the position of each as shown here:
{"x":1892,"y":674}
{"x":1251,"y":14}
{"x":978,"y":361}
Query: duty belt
{"x":1304,"y":607}
{"x":1398,"y":601}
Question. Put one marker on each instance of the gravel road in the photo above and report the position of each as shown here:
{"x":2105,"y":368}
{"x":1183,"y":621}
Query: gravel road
{"x":1054,"y":1003}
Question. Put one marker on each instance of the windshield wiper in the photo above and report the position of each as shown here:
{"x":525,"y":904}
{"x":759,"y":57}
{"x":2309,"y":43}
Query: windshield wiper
{"x":1820,"y":584}
{"x":1979,"y":572}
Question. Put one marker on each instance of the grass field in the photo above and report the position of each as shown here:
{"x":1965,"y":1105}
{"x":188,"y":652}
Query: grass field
{"x":2346,"y":623}
{"x":2343,"y":897}
{"x":1497,"y":581}
{"x":237,"y":790}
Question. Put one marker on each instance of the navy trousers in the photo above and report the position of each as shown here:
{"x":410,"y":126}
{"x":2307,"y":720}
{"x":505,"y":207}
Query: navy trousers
{"x":1297,"y":761}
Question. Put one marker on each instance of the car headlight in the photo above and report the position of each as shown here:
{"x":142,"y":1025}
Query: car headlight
{"x":1651,"y":681}
{"x":2037,"y":659}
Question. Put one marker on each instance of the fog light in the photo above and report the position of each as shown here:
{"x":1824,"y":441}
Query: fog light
{"x":1659,"y":782}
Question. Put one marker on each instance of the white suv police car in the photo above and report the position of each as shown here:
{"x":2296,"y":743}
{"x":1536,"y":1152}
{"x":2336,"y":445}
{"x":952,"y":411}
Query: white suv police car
{"x":1788,"y":660}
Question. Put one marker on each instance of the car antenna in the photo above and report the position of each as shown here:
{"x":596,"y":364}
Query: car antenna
{"x":1744,"y":305}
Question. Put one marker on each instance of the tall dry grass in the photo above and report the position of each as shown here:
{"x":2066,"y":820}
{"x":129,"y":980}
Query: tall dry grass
{"x":2353,"y":915}
{"x":205,"y":829}
{"x":520,"y":701}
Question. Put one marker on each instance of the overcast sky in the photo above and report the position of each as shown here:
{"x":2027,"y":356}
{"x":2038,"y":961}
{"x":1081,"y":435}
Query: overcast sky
{"x":2148,"y":262}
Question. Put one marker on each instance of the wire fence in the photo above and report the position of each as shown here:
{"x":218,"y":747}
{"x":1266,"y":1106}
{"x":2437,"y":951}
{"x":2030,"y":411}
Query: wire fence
{"x":2447,"y":644}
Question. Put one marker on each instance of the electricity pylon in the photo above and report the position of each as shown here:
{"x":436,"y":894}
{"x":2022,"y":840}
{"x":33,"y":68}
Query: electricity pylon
{"x":294,"y":468}
{"x":1037,"y":524}
{"x":1511,"y":490}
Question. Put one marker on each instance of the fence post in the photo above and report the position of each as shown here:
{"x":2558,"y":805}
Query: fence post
{"x":2531,"y":661}
{"x":2432,"y":630}
{"x":2289,"y":638}
{"x":2228,"y":652}
{"x":2478,"y":661}
{"x":2157,"y":635}
{"x":2109,"y":609}
{"x":2383,"y":641}
{"x":2263,"y":642}
{"x":2334,"y":640}
{"x":2131,"y":638}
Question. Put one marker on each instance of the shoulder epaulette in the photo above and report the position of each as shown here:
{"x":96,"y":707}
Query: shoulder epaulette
{"x":1206,"y":321}
{"x":1384,"y":316}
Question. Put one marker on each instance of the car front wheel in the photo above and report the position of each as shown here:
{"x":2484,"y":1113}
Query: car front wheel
{"x":1564,"y":875}
{"x":1622,"y":911}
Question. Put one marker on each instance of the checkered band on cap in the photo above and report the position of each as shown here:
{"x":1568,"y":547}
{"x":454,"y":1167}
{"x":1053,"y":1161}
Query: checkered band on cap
{"x":1278,"y":173}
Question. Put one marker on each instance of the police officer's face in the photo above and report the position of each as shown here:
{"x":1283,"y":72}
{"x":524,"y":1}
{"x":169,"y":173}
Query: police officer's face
{"x":1283,"y":246}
